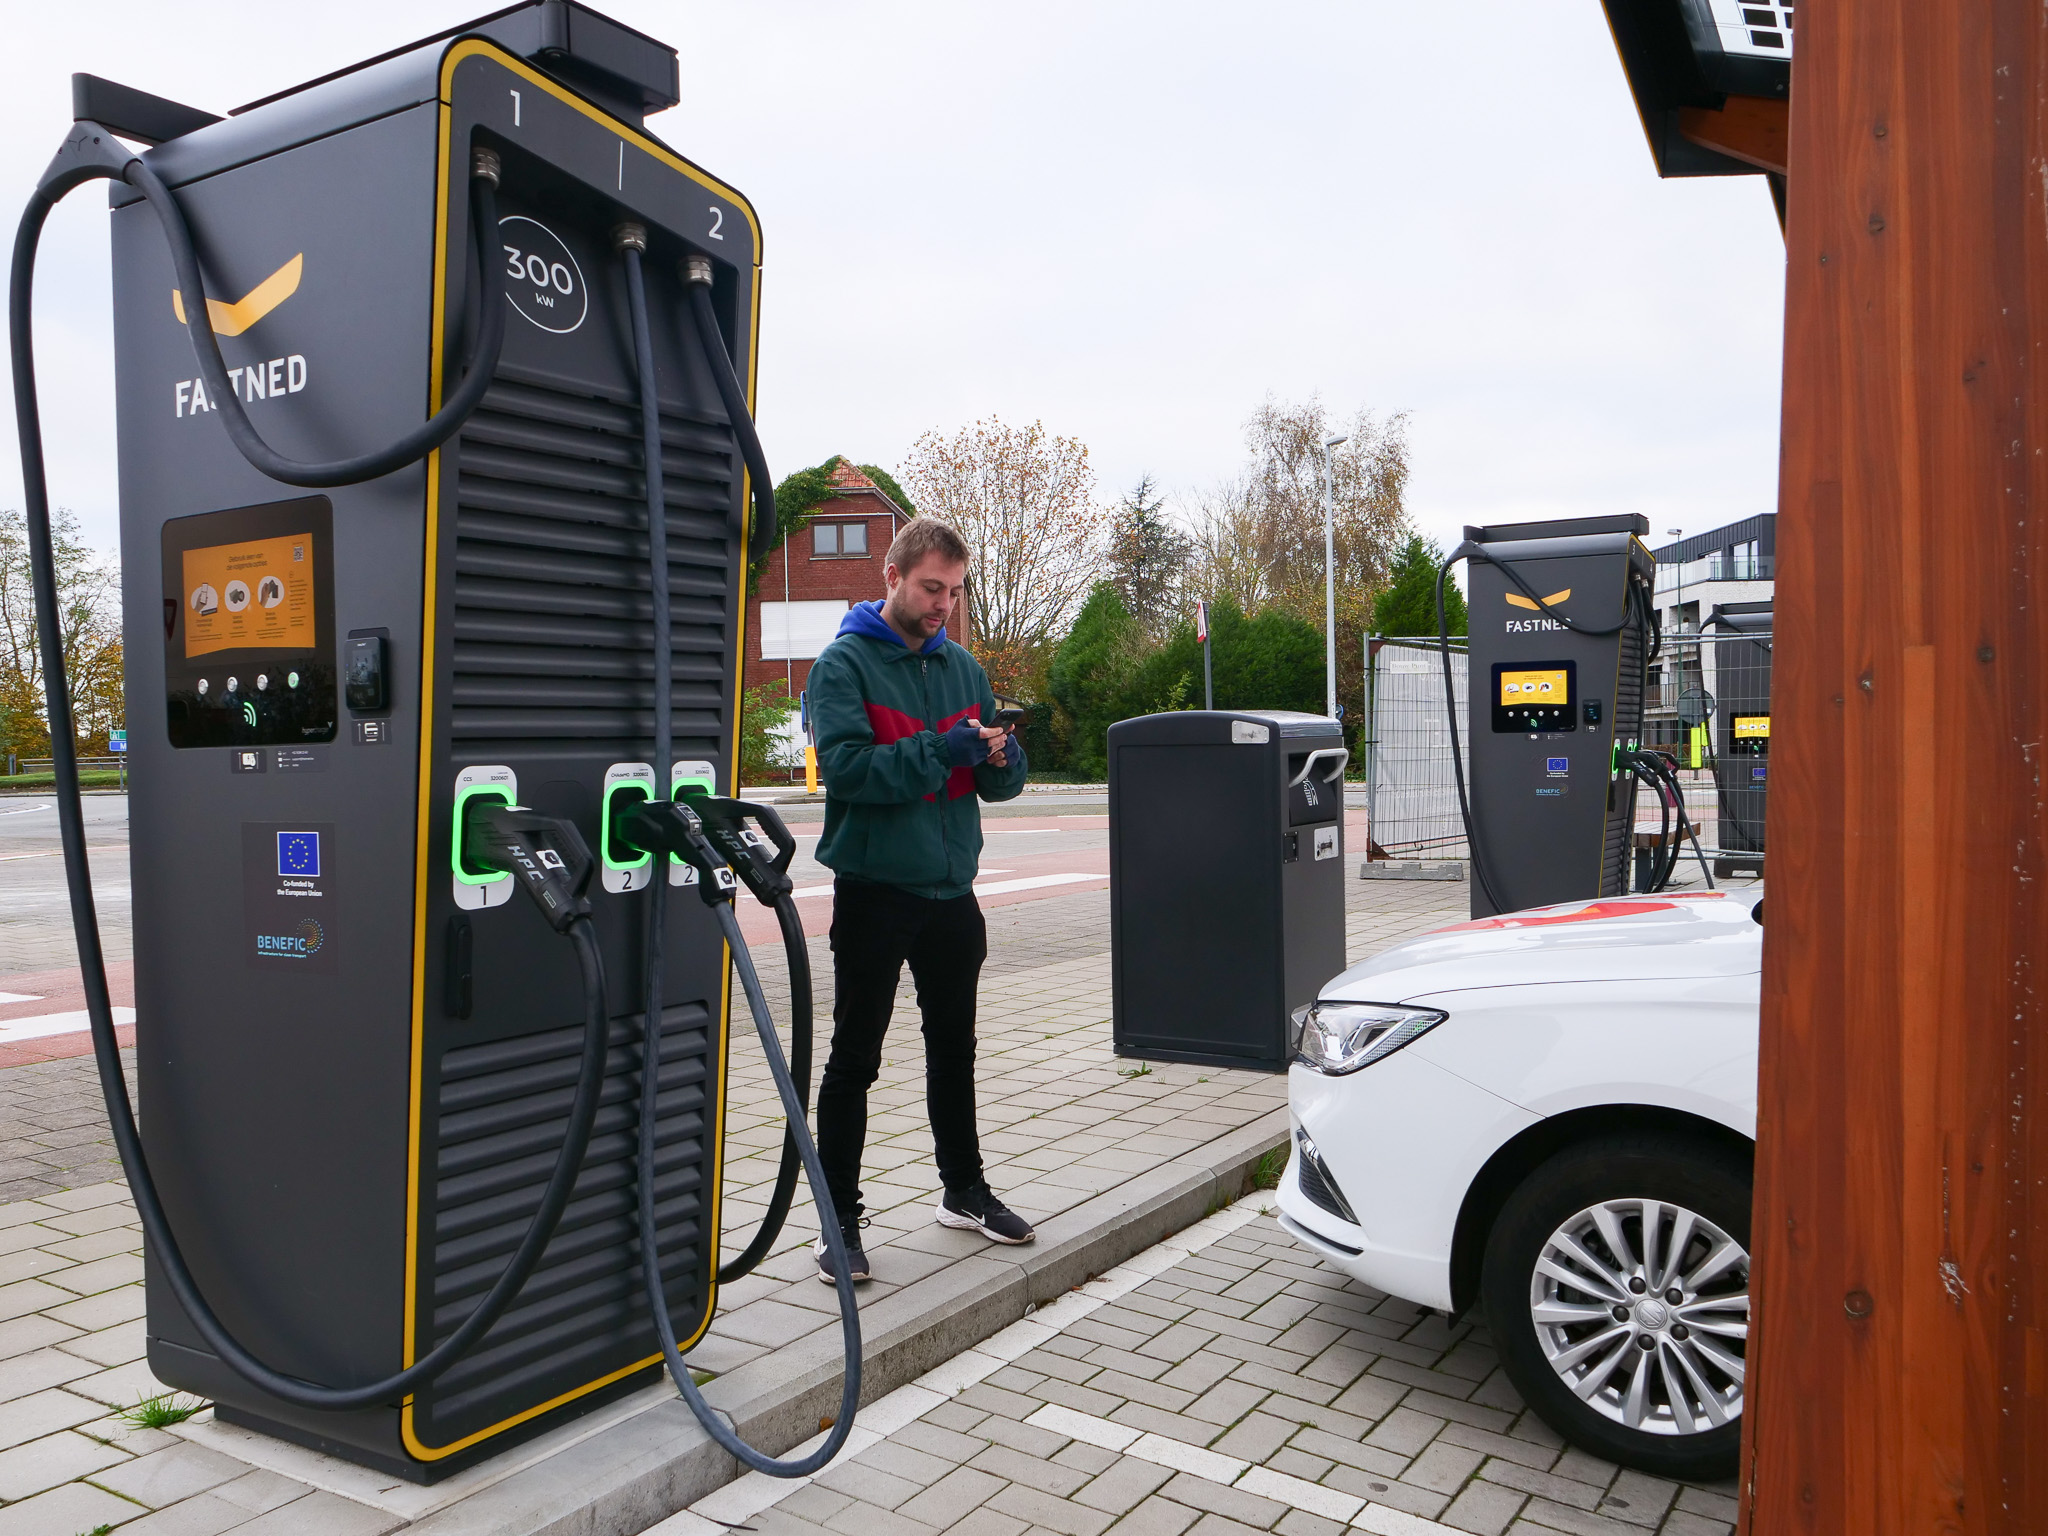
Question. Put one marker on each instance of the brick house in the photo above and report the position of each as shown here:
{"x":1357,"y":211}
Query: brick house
{"x":831,"y":563}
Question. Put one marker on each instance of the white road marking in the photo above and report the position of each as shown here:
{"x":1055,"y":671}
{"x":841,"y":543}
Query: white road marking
{"x":1033,"y":883}
{"x":44,"y":1024}
{"x":21,"y":997}
{"x":990,"y":888}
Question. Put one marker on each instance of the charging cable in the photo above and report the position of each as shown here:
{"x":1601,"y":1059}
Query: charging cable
{"x":553,"y":851}
{"x":661,"y":827}
{"x":675,"y":828}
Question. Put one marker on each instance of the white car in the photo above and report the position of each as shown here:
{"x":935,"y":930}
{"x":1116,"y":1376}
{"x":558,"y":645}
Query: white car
{"x":1550,"y":1116}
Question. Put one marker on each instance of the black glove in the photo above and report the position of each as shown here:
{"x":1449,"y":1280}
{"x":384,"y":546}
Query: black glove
{"x":966,"y":747}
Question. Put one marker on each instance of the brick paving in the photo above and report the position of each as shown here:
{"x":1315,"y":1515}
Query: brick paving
{"x":1061,"y":1122}
{"x":1227,"y":1381}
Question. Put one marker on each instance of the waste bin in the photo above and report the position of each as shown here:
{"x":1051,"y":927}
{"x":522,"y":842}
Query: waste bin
{"x":1226,"y":879}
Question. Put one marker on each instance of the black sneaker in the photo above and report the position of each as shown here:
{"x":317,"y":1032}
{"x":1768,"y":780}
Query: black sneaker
{"x":856,"y":1256}
{"x":978,"y":1210}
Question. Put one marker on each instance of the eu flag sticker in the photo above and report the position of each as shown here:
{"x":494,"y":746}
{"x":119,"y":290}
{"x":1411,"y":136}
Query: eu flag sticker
{"x":298,"y":853}
{"x":1555,"y":765}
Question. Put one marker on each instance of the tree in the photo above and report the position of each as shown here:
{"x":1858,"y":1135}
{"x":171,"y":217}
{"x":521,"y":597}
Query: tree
{"x":799,"y":496}
{"x":1271,"y":660}
{"x":88,"y":603}
{"x":1092,"y":673}
{"x":764,"y":713}
{"x":1408,"y":605}
{"x":1260,"y":536}
{"x":1025,"y":503}
{"x":1148,"y":558}
{"x":1108,"y":669}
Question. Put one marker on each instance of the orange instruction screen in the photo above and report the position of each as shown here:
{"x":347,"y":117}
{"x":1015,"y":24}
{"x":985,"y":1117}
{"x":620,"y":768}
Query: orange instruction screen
{"x":252,"y":596}
{"x":1545,"y":687}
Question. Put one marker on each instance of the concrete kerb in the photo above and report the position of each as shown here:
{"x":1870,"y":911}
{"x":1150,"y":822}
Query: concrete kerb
{"x":642,"y":1470}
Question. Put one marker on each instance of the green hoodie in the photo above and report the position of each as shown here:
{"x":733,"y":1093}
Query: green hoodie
{"x":896,"y":811}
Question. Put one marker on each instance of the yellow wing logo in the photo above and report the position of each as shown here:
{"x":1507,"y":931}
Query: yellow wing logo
{"x":1516,"y":600}
{"x":233,"y":319}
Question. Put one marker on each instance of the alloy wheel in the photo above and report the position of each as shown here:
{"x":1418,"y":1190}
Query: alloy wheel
{"x":1642,"y":1308}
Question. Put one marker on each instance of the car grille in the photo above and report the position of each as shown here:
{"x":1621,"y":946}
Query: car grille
{"x":504,"y":1110}
{"x":552,"y":622}
{"x":1318,"y":1186}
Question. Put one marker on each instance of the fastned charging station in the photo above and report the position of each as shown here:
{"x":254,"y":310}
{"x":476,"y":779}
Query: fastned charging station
{"x":401,"y":1162}
{"x":1561,"y":627}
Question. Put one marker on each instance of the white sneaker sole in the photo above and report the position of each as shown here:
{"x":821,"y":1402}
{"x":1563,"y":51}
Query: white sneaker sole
{"x":824,"y":1278}
{"x":959,"y":1221}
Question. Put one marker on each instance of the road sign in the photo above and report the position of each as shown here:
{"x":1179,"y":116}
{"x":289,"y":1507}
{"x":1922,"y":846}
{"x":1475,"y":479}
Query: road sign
{"x":117,"y":741}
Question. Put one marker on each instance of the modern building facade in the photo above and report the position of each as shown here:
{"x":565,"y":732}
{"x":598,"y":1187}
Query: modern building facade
{"x":1733,"y":564}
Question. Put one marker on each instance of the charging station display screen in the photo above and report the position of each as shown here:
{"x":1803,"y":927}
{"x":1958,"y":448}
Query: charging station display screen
{"x":249,"y":627}
{"x":258,"y":595}
{"x":1534,"y":697}
{"x":1750,"y":733}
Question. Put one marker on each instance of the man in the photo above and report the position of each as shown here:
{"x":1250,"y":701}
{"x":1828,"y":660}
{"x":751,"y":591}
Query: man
{"x":906,"y":758}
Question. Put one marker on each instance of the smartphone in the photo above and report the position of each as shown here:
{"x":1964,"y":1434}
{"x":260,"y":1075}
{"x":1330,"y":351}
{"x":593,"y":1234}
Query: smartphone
{"x":1008,"y":719}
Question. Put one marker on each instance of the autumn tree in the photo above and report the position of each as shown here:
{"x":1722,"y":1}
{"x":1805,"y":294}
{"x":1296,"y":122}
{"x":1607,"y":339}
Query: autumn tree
{"x":1148,"y":558}
{"x":1024,"y":501}
{"x":1260,"y":536}
{"x":89,"y":608}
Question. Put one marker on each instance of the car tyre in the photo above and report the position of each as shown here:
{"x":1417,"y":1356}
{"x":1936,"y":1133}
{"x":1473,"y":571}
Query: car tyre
{"x":1628,"y":1350}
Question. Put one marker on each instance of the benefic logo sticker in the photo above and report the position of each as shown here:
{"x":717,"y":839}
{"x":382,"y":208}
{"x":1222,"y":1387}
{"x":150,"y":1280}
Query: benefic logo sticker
{"x":302,"y":943}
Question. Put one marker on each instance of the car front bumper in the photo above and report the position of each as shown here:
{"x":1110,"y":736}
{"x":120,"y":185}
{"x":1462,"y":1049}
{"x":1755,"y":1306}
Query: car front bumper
{"x":1403,"y":1140}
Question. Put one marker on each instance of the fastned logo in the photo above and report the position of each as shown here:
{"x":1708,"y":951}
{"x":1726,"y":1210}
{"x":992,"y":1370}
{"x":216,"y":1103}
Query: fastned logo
{"x":251,"y":381}
{"x":1530,"y":626}
{"x":233,"y":319}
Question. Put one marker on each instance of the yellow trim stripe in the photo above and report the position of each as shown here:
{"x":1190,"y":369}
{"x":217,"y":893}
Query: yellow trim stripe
{"x":469,"y":48}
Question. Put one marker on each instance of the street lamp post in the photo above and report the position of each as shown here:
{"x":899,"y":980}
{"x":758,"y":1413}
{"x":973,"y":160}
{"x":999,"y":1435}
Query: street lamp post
{"x":1330,"y":578}
{"x":1679,"y":533}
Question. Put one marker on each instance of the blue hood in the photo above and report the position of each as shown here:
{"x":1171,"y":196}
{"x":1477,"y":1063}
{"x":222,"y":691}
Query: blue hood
{"x":866,"y":619}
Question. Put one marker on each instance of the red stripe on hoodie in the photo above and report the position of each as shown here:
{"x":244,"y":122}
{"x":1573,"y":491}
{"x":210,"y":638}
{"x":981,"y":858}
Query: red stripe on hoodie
{"x":893,"y":725}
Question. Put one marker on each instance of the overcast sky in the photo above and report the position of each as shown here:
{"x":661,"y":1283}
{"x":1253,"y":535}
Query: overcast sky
{"x":1130,"y":221}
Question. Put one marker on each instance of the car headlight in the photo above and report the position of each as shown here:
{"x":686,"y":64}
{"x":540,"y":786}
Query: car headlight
{"x":1342,"y":1037}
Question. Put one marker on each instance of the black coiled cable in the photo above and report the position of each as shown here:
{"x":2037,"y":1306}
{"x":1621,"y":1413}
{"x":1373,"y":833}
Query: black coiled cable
{"x":631,"y":241}
{"x":91,"y":153}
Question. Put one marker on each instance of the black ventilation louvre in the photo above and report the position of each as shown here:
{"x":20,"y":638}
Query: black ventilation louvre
{"x":503,"y":1110}
{"x":552,"y":622}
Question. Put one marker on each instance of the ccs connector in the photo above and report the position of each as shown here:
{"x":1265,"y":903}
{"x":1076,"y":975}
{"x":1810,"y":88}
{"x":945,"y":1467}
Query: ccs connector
{"x":671,"y":827}
{"x":725,"y":823}
{"x":546,"y":855}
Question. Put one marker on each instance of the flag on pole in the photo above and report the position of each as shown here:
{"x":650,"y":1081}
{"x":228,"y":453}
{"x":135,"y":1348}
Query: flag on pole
{"x":1202,"y":619}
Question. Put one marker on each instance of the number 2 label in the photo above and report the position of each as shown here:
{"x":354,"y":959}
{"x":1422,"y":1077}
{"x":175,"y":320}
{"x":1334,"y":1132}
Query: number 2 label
{"x":717,"y":221}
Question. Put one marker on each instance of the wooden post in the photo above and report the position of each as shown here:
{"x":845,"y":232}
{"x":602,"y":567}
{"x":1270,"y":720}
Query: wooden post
{"x":1899,"y":1364}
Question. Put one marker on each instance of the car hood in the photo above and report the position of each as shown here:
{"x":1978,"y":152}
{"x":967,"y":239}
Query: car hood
{"x":1617,"y":938}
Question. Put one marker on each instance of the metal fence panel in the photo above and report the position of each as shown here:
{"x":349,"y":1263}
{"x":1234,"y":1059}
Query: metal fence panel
{"x":1411,"y":796}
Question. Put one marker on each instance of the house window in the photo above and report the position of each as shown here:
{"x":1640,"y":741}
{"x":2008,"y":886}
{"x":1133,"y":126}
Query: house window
{"x":838,"y":541}
{"x":799,"y":631}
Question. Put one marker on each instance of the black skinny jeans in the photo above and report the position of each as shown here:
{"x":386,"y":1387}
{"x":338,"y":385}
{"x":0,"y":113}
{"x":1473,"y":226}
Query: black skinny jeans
{"x":875,"y":929}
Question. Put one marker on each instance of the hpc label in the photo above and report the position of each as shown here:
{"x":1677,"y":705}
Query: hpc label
{"x":1326,"y":843}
